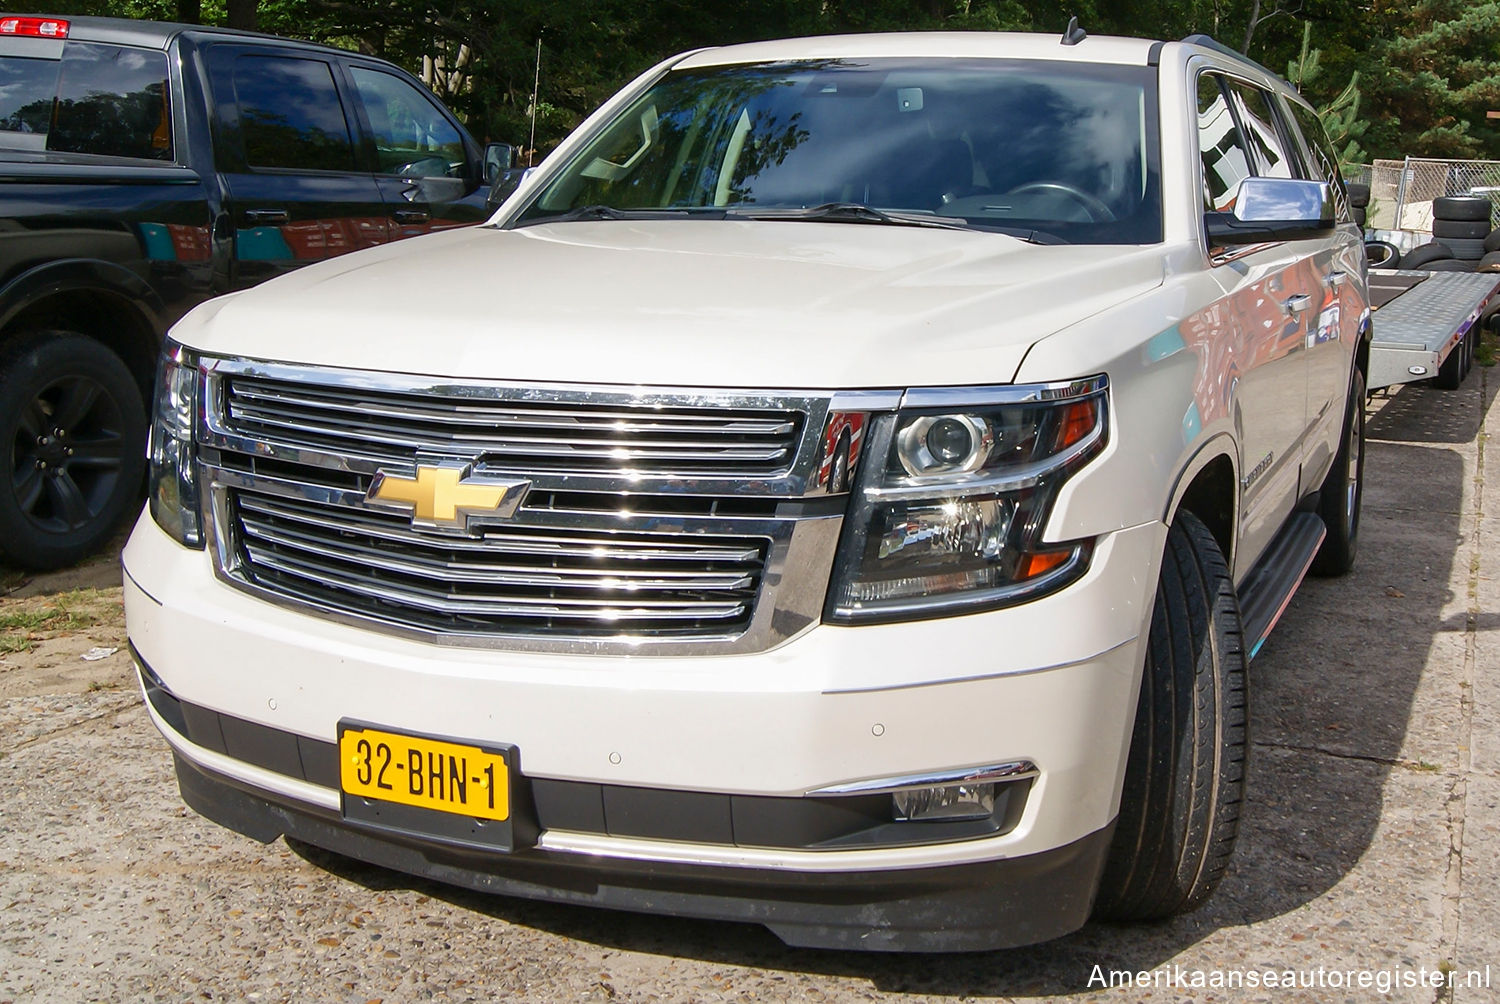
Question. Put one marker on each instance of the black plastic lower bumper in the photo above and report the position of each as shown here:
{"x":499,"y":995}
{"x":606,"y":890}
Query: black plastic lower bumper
{"x":969,"y":907}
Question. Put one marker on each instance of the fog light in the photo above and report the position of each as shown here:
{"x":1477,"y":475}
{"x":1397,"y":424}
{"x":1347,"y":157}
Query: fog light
{"x":946,"y":802}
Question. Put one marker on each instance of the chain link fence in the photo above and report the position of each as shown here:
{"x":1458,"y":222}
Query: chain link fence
{"x":1401,"y":191}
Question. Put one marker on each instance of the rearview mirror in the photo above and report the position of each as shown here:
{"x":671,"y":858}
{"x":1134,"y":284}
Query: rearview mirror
{"x":498,"y":158}
{"x":507,"y":182}
{"x":1267,"y":210}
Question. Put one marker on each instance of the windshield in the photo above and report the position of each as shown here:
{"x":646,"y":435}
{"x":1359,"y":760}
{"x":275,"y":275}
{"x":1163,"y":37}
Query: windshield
{"x":1062,"y":148}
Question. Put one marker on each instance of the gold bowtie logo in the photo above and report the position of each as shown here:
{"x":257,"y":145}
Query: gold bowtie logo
{"x":447,"y":495}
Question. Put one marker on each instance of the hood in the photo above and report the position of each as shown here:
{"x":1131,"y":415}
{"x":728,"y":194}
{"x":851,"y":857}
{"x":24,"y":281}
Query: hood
{"x":684,"y":303}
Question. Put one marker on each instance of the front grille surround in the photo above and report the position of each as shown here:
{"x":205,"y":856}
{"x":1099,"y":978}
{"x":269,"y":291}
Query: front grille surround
{"x":791,"y":473}
{"x":590,"y":563}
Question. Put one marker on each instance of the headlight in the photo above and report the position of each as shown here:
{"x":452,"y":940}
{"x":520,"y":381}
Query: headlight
{"x":948,"y":514}
{"x":174,"y":480}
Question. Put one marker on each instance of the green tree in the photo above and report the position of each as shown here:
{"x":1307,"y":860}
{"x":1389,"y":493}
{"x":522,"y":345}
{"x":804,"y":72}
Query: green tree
{"x":1340,"y":116}
{"x":1434,"y":72}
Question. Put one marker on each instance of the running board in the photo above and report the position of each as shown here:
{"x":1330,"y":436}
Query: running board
{"x":1269,"y":587}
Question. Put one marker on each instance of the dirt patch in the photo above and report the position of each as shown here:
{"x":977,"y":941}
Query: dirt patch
{"x":63,"y":632}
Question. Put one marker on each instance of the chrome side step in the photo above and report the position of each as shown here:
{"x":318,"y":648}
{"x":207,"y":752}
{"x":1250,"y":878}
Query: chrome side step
{"x":1269,"y":587}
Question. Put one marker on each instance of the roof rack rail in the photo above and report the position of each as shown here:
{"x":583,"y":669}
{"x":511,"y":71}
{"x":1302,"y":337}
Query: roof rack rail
{"x":1209,"y":42}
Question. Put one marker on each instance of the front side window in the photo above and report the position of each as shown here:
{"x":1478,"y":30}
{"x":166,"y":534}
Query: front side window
{"x":290,"y":114}
{"x":412,"y":138}
{"x":1008,"y":145}
{"x":107,"y":100}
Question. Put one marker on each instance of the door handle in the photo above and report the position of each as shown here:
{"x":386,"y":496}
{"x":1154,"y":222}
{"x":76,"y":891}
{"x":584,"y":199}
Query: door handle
{"x":1296,"y":304}
{"x":1337,"y":278}
{"x":261,"y":217}
{"x":411,"y":215}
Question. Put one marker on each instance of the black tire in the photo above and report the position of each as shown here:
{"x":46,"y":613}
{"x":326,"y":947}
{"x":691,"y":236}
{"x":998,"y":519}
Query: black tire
{"x":1465,"y":249}
{"x":1359,"y":215}
{"x":1462,"y":207}
{"x":1450,"y":265}
{"x":1423,"y":254}
{"x":1466,"y":207}
{"x":1467,"y":230}
{"x":61,"y":496}
{"x":1382,"y":254}
{"x":1342,"y":493}
{"x":1451,"y":374}
{"x":1489,"y":263}
{"x":1359,"y":194}
{"x":1492,"y":242}
{"x":1184,"y":780}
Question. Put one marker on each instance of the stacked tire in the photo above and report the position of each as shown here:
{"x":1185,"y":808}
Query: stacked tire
{"x":1491,"y":260}
{"x":1462,"y":225}
{"x":1359,"y":199}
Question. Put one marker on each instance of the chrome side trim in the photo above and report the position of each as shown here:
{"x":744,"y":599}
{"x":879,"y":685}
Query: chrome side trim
{"x":1016,"y":770}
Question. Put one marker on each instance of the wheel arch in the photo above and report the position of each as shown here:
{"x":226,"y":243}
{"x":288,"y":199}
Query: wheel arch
{"x":99,"y":299}
{"x":1208,"y":488}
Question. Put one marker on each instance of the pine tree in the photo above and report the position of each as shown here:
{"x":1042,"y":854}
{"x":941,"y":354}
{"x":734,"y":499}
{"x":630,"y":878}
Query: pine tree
{"x":1340,"y":116}
{"x":1433,"y":75}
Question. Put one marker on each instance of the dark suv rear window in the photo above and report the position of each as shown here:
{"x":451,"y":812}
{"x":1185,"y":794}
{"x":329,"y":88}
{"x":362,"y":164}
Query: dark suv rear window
{"x":107,"y":100}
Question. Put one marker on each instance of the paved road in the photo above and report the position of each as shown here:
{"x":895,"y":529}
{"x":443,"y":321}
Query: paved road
{"x":1371,"y":841}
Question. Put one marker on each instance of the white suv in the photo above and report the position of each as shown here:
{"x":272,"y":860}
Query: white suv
{"x":849,"y":508}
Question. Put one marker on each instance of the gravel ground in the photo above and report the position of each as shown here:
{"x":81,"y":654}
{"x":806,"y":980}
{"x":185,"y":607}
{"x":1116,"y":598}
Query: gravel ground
{"x":1371,"y":840}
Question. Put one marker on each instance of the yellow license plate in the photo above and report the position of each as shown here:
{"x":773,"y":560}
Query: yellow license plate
{"x":427,"y":773}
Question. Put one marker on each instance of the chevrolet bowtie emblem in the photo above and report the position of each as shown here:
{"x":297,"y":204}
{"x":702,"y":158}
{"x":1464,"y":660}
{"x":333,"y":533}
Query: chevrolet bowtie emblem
{"x":448,"y":495}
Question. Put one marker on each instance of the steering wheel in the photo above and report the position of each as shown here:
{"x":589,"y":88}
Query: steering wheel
{"x":1097,"y":210}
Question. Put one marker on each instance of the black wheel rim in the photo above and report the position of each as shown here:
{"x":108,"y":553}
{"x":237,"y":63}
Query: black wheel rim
{"x":68,"y":454}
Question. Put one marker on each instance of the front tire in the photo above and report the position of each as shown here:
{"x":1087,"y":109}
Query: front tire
{"x":72,"y":448}
{"x":1184,"y":780}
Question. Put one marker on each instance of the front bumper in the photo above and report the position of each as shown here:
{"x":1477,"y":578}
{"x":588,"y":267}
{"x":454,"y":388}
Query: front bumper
{"x":1052,"y":682}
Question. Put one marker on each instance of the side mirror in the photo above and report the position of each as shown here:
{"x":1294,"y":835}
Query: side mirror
{"x":498,"y":158}
{"x":1268,"y":210}
{"x":505,"y":185}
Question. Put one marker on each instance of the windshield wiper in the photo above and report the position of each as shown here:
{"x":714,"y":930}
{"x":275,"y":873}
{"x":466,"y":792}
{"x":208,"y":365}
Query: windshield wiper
{"x":599,"y":211}
{"x":844,"y":212}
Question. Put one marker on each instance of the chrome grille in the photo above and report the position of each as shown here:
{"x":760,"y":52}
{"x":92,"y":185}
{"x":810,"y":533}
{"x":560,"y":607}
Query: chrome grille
{"x":515,"y":432}
{"x":513,"y":580}
{"x":658,"y":521}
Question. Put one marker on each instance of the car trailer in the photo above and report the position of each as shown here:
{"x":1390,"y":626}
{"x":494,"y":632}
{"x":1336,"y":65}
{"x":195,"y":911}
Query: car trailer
{"x":1427,"y":324}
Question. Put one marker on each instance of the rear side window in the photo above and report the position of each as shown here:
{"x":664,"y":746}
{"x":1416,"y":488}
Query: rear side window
{"x":1226,"y":161}
{"x":112,"y":101}
{"x":107,"y":100}
{"x":290,"y":114}
{"x":1324,"y":163}
{"x":27,"y":90}
{"x":1260,"y":123}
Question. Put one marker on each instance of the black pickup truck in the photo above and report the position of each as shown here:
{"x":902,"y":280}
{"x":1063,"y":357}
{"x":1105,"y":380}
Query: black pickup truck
{"x":145,"y":167}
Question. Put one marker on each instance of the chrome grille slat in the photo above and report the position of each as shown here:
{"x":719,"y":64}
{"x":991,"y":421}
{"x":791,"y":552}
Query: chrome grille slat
{"x":493,"y":574}
{"x":563,"y":449}
{"x":571,"y":545}
{"x":449,"y":602}
{"x":515,"y":431}
{"x":282,"y":405}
